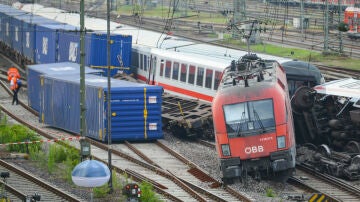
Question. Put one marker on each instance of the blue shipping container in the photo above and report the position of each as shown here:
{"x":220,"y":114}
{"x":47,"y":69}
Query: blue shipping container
{"x":3,"y":19}
{"x":47,"y":41}
{"x":25,"y":42}
{"x":69,"y":46}
{"x":135,"y":108}
{"x":7,"y":22}
{"x":34,"y":72}
{"x":120,"y":50}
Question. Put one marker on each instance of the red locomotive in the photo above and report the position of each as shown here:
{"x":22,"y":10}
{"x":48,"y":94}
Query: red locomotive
{"x":253,"y":121}
{"x":352,"y":19}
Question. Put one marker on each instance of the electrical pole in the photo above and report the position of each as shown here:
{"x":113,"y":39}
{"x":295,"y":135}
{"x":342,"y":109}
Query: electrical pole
{"x":108,"y":96}
{"x":341,"y":45}
{"x":84,"y":145}
{"x":239,"y":14}
{"x":326,"y":27}
{"x":302,"y":19}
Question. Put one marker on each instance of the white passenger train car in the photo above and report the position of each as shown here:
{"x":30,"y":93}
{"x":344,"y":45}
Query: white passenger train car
{"x":179,"y":73}
{"x":180,"y":65}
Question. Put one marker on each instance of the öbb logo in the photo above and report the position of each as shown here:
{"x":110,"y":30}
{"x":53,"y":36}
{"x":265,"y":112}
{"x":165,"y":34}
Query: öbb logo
{"x":254,"y":149}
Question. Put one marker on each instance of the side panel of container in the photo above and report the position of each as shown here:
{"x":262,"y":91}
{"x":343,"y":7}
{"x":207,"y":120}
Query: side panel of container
{"x":2,"y":26}
{"x":60,"y":106}
{"x":94,"y":124}
{"x":28,"y":35}
{"x":69,"y":48}
{"x":7,"y":14}
{"x":7,"y":30}
{"x":33,"y":88}
{"x":120,"y":52}
{"x":3,"y":17}
{"x":136,"y":113}
{"x":16,"y":30}
{"x":46,"y":45}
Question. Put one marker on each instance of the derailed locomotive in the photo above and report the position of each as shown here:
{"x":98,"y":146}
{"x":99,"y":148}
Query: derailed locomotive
{"x":327,"y":121}
{"x":253,"y":121}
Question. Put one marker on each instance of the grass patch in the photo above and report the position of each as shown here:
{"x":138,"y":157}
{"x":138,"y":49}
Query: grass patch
{"x":270,"y":193}
{"x":60,"y":160}
{"x":162,"y":11}
{"x":17,"y":133}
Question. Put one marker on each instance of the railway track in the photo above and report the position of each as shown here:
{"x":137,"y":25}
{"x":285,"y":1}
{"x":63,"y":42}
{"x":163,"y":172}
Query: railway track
{"x":312,"y":182}
{"x":333,"y":188}
{"x":22,"y":186}
{"x":165,"y":180}
{"x":268,"y":13}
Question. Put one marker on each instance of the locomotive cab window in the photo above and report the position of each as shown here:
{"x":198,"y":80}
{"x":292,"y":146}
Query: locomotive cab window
{"x":249,"y":118}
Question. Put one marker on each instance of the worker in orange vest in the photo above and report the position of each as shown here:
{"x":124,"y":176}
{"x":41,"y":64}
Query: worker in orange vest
{"x":14,"y":88}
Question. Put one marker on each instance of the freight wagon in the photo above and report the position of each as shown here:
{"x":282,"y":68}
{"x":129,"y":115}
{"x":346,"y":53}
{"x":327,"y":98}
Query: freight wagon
{"x":30,"y":39}
{"x":135,"y":107}
{"x":352,"y":20}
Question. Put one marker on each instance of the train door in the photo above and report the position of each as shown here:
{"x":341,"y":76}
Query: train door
{"x":152,"y":70}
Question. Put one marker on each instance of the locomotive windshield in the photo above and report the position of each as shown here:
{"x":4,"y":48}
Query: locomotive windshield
{"x":249,"y":118}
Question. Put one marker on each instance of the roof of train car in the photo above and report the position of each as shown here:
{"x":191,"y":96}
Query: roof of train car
{"x":347,"y":87}
{"x":39,"y":9}
{"x":36,"y":19}
{"x":352,"y":9}
{"x":60,"y":26}
{"x":193,"y":59}
{"x":155,"y":39}
{"x":302,"y":69}
{"x":27,"y":7}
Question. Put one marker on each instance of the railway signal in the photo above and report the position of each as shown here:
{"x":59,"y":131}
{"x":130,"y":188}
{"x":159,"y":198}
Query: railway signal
{"x":132,"y":191}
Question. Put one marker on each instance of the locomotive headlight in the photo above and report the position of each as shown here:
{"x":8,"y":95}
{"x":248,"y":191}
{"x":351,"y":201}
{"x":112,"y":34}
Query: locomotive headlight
{"x":281,"y":142}
{"x":225,"y":149}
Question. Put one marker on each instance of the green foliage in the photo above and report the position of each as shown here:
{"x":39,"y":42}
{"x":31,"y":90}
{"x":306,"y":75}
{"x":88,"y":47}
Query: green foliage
{"x":38,"y":156}
{"x":100,"y":192}
{"x":270,"y":192}
{"x":4,"y":120}
{"x":51,"y":160}
{"x":147,"y":193}
{"x":16,"y":133}
{"x":116,"y":181}
{"x":66,"y":173}
{"x":58,"y":152}
{"x":62,"y":154}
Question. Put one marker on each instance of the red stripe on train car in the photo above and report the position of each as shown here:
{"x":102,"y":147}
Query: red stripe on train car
{"x":182,"y":91}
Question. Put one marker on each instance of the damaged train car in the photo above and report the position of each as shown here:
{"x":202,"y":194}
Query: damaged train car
{"x":327,"y":121}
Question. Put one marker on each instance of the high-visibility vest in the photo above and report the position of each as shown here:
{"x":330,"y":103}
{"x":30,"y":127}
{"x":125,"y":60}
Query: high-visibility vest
{"x":13,"y":83}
